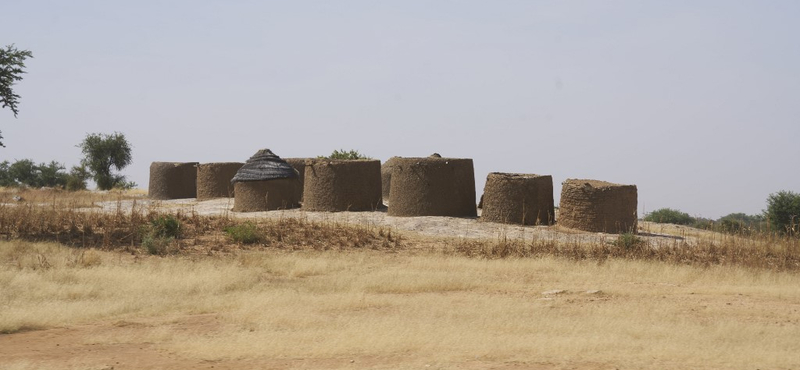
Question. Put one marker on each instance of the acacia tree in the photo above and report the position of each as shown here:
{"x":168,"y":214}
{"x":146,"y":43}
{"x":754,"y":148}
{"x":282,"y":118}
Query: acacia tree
{"x":12,"y":66}
{"x":101,"y":152}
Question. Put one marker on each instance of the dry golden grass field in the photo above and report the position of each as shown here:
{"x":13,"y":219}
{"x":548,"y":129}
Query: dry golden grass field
{"x":78,"y":290}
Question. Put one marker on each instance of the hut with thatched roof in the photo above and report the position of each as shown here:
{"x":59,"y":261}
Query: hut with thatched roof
{"x":265,"y":182}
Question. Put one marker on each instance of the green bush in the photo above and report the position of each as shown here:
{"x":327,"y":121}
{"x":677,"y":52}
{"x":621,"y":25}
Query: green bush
{"x":783,"y":212}
{"x":245,"y":233}
{"x":158,"y":245}
{"x":345,"y":154}
{"x":166,"y":226}
{"x":629,"y":241}
{"x":25,"y":172}
{"x":669,"y":216}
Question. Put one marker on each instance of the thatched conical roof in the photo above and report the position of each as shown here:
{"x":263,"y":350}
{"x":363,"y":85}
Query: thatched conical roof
{"x":264,"y":165}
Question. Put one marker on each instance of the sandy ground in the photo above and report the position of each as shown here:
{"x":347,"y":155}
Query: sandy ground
{"x":442,"y":227}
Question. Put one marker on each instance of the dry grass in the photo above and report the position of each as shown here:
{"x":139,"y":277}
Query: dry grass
{"x":415,"y":309}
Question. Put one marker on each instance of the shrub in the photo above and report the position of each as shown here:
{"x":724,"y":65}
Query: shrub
{"x":343,"y":154}
{"x":245,"y":233}
{"x":783,"y":212}
{"x":158,"y":245}
{"x":629,"y":241}
{"x":77,"y":177}
{"x":669,"y":216}
{"x":160,"y":234}
{"x":166,"y":226}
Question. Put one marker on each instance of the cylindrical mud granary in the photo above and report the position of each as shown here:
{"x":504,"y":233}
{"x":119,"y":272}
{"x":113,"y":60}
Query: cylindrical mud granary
{"x":386,"y":177}
{"x":173,"y":180}
{"x":598,"y":206}
{"x":257,"y":196}
{"x":214,"y":179}
{"x":299,"y":165}
{"x":432,"y":187}
{"x":342,"y":185}
{"x":264,"y":183}
{"x":514,"y":198}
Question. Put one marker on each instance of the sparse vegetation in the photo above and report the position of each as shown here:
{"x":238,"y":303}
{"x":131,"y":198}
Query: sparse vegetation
{"x":669,"y":216}
{"x":101,"y":153}
{"x":346,"y":154}
{"x":783,"y":212}
{"x":245,"y":233}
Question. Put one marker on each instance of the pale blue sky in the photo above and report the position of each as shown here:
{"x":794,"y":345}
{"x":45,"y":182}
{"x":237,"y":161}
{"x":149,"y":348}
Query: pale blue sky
{"x":695,"y":102}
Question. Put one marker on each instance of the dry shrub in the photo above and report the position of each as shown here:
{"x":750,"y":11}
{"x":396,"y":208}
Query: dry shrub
{"x":763,"y":252}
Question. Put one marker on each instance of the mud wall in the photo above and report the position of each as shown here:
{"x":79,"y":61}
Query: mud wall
{"x":525,"y":199}
{"x":342,"y":185}
{"x":173,"y":180}
{"x":214,"y":179}
{"x":598,"y":206}
{"x":386,"y":177}
{"x":258,"y":196}
{"x":299,"y":165}
{"x":432,"y":187}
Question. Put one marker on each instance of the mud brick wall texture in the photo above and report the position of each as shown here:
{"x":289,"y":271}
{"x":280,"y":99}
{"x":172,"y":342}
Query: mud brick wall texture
{"x":598,"y":206}
{"x":267,"y":195}
{"x":525,"y":199}
{"x":214,"y":179}
{"x":342,"y":185}
{"x":432,"y":187}
{"x":173,"y":180}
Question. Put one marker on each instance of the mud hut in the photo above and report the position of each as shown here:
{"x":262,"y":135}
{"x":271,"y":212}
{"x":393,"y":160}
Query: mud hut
{"x":265,"y":182}
{"x":173,"y":180}
{"x":432,"y":187}
{"x":598,"y":206}
{"x":214,"y":179}
{"x":299,"y":165}
{"x":514,"y":198}
{"x":335,"y":185}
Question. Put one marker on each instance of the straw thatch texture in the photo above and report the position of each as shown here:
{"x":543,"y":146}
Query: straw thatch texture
{"x":342,"y":185}
{"x":432,"y":187}
{"x":173,"y":180}
{"x":512,"y":198}
{"x":264,"y":165}
{"x":214,"y":179}
{"x":598,"y":206}
{"x":257,"y":196}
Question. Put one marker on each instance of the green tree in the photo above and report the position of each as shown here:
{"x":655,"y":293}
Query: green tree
{"x":5,"y":174}
{"x":23,"y":172}
{"x":12,"y":66}
{"x":77,"y":177}
{"x":101,"y":152}
{"x":783,"y":211}
{"x":345,"y":154}
{"x":669,"y":216}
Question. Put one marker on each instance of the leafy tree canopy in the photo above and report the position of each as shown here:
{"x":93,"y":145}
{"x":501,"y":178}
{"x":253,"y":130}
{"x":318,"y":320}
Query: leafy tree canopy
{"x":12,"y":66}
{"x":101,"y":153}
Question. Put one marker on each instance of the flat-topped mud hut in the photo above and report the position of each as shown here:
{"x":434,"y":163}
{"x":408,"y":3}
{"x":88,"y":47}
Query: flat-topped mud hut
{"x":265,"y":182}
{"x":335,"y":185}
{"x":432,"y":186}
{"x":173,"y":180}
{"x":514,"y":198}
{"x":214,"y":179}
{"x":598,"y":206}
{"x":299,"y":165}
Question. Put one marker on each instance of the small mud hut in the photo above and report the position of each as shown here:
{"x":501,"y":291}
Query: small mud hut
{"x":265,"y":182}
{"x":432,"y":186}
{"x":598,"y":206}
{"x":335,"y":185}
{"x":173,"y":180}
{"x":214,"y":179}
{"x":513,"y":198}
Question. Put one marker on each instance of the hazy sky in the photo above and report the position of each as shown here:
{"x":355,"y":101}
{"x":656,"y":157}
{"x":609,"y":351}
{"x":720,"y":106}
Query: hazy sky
{"x":695,"y":102}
